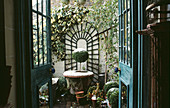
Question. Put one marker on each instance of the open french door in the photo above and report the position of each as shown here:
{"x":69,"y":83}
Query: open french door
{"x":41,"y":56}
{"x":127,"y":54}
{"x":33,"y":53}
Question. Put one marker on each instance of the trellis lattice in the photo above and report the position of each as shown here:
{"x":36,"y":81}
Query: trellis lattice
{"x":85,"y":31}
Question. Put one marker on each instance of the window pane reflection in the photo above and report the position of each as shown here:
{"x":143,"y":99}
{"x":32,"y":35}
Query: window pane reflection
{"x":40,"y":5}
{"x":40,"y":32}
{"x":34,"y":4}
{"x":44,"y":96}
{"x":123,"y":95}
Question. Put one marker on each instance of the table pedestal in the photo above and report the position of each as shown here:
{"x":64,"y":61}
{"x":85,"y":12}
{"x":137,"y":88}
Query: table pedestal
{"x":77,"y":81}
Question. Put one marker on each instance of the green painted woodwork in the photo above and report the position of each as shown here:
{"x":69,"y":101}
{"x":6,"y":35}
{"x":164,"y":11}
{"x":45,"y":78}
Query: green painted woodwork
{"x":30,"y":76}
{"x":41,"y":56}
{"x":127,"y":50}
{"x":140,"y":53}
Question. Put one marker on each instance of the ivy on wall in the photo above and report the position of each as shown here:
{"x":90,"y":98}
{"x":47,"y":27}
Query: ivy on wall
{"x":104,"y":14}
{"x":62,"y":19}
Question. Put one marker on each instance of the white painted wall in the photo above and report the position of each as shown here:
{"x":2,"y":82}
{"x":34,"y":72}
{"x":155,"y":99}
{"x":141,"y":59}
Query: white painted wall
{"x":10,"y":47}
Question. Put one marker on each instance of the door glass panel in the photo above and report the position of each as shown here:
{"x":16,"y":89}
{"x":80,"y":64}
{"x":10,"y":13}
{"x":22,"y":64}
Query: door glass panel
{"x":124,"y":95}
{"x":34,"y":20}
{"x":128,"y":3}
{"x":125,"y":28}
{"x":44,"y":24}
{"x":44,"y":6}
{"x":122,"y":21}
{"x":40,"y":40}
{"x":121,"y":46}
{"x":35,"y":47}
{"x":124,"y":4}
{"x":125,"y":54}
{"x":128,"y":18}
{"x":39,"y":5}
{"x":125,"y":37}
{"x":40,"y":33}
{"x":129,"y":47}
{"x":34,"y":4}
{"x":44,"y":96}
{"x":45,"y":47}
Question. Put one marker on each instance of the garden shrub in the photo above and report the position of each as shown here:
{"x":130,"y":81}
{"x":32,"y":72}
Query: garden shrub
{"x":113,"y":98}
{"x":80,"y":56}
{"x":109,"y":85}
{"x":109,"y":92}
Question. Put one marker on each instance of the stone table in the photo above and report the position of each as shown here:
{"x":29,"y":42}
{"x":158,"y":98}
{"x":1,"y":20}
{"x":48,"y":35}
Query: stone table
{"x":78,"y":80}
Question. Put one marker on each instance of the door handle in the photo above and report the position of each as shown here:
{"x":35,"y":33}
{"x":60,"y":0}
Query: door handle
{"x":117,"y":69}
{"x":52,"y":70}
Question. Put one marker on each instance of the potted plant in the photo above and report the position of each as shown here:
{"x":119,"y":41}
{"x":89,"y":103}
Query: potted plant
{"x":80,"y":55}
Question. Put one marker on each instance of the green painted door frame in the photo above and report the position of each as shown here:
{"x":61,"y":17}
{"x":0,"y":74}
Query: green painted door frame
{"x":128,"y":74}
{"x":136,"y":77}
{"x":140,"y":54}
{"x":28,"y":78}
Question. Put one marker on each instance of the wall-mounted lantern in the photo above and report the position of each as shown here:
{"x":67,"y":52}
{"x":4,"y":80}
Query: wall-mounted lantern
{"x":158,"y":12}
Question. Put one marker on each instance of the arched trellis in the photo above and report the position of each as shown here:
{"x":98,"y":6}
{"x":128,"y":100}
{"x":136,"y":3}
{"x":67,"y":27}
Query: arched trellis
{"x":89,"y":33}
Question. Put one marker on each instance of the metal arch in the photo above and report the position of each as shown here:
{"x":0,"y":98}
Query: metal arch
{"x":89,"y":33}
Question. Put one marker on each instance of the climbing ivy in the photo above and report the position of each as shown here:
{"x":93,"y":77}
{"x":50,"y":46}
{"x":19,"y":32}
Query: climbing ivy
{"x":61,"y":20}
{"x":104,"y":15}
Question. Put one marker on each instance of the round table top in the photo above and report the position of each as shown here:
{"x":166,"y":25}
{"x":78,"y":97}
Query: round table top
{"x":77,"y":74}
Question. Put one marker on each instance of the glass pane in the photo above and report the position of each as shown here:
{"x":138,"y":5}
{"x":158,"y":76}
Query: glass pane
{"x":124,"y":4}
{"x":121,"y":45}
{"x":123,"y":96}
{"x":129,"y":19}
{"x":44,"y":96}
{"x":125,"y":30}
{"x":125,"y":54}
{"x":128,"y":3}
{"x":34,"y":20}
{"x":35,"y":47}
{"x":129,"y":48}
{"x":119,"y":53}
{"x":34,"y":4}
{"x":44,"y":24}
{"x":45,"y":47}
{"x":40,"y":5}
{"x":40,"y":40}
{"x":122,"y":22}
{"x":41,"y":56}
{"x":44,"y":6}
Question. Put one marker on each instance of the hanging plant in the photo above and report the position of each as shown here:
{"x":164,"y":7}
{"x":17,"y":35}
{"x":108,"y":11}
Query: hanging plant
{"x":62,"y":19}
